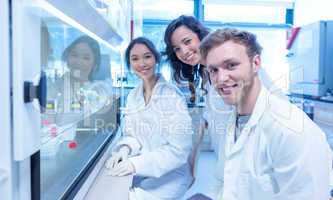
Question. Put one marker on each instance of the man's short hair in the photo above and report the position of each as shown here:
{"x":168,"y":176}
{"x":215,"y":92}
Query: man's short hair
{"x":220,"y":36}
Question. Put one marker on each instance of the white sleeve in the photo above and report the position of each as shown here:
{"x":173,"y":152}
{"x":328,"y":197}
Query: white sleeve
{"x":128,"y":138}
{"x":177,"y":132}
{"x":216,"y":191}
{"x":128,"y":128}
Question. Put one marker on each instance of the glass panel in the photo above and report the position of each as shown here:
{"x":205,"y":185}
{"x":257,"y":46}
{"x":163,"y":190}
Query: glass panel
{"x":152,"y":9}
{"x":244,"y":13}
{"x":273,"y":54}
{"x":82,"y":102}
{"x":117,"y":13}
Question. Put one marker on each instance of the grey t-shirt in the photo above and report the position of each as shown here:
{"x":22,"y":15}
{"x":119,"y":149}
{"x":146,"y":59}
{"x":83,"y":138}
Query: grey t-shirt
{"x":241,"y":121}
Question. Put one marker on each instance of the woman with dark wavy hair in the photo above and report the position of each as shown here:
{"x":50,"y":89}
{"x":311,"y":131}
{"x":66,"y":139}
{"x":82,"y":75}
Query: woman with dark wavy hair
{"x":182,"y":38}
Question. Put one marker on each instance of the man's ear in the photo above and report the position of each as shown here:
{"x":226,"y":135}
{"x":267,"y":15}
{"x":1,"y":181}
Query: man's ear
{"x":256,"y":63}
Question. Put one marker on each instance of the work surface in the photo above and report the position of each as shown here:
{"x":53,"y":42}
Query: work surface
{"x":107,"y":187}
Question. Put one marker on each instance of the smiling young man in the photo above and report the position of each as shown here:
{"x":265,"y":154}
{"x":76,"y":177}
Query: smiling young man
{"x":272,"y":149}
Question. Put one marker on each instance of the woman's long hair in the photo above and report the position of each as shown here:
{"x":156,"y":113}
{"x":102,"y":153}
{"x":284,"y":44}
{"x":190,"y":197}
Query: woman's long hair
{"x":182,"y":71}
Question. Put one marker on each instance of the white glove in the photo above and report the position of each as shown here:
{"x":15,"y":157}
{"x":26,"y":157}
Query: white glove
{"x":123,"y":168}
{"x":117,"y":157}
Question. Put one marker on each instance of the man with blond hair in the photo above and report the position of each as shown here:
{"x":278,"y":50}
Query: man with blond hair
{"x":271,"y":150}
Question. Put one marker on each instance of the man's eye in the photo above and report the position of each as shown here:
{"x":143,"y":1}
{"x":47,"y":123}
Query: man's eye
{"x":231,"y":66}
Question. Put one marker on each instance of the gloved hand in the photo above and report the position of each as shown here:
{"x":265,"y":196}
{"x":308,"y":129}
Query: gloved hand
{"x":123,"y":168}
{"x":117,"y":157}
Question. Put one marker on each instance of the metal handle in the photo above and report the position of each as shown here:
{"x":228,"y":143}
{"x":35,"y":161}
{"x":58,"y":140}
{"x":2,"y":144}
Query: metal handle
{"x":39,"y":91}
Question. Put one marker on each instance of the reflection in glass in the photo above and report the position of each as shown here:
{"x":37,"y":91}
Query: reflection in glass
{"x":82,"y":104}
{"x":76,"y":88}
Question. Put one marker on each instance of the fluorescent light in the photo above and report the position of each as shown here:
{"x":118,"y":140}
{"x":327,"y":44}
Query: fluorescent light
{"x":57,"y":13}
{"x":269,"y":3}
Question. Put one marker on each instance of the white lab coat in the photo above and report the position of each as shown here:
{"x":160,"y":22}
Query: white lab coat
{"x":281,"y":154}
{"x":160,"y":137}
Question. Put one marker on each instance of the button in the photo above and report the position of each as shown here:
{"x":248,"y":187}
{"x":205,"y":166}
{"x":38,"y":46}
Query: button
{"x":72,"y":144}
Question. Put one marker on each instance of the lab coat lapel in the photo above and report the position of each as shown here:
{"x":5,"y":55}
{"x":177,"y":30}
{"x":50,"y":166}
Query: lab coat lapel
{"x":135,"y":102}
{"x":230,"y":140}
{"x":233,"y":147}
{"x":259,"y":108}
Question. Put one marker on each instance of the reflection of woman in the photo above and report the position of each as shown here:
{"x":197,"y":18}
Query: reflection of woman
{"x":82,"y":58}
{"x":157,"y":131}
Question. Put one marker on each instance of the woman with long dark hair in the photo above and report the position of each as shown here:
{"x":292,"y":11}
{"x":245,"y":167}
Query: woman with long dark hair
{"x":182,"y":38}
{"x":157,"y":131}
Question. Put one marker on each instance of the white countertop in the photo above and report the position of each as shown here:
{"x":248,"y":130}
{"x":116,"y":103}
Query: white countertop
{"x":107,"y":187}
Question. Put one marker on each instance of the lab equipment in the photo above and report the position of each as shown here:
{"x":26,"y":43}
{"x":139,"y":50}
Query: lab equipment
{"x":311,"y":66}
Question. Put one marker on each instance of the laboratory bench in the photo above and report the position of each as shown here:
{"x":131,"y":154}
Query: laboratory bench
{"x":319,"y":109}
{"x":107,"y":187}
{"x":325,"y":99}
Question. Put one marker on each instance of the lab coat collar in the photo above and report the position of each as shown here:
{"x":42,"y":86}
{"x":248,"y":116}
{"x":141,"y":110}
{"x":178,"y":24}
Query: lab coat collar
{"x":136,"y":102}
{"x":259,"y":108}
{"x":157,"y":88}
{"x":257,"y":113}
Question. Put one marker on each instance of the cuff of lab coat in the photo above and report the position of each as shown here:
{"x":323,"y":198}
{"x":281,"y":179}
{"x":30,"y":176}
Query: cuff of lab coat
{"x":139,"y":165}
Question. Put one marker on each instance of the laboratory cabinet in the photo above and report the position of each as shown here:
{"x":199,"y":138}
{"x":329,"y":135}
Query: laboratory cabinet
{"x":61,"y":107}
{"x":310,"y":59}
